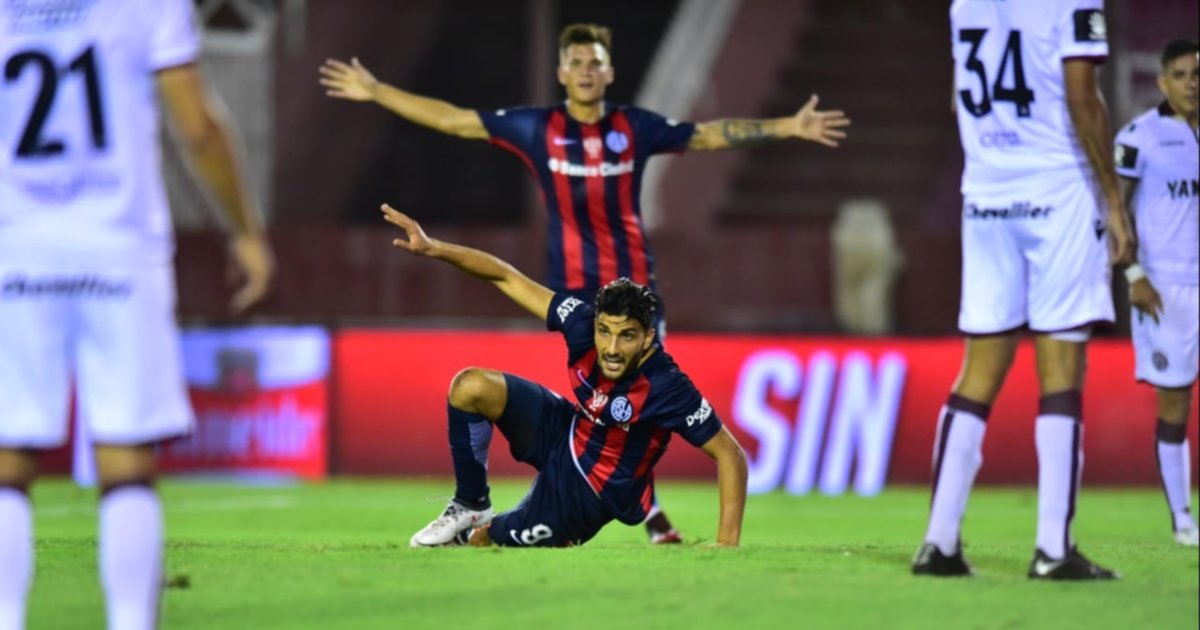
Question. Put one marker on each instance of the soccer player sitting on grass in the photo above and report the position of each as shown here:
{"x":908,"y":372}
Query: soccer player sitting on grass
{"x":595,"y":456}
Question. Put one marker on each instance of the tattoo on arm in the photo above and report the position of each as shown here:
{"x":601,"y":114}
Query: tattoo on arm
{"x":740,"y":133}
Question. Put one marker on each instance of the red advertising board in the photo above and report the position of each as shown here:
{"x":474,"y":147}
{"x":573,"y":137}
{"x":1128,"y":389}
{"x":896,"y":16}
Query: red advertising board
{"x":260,"y":398}
{"x":815,"y":414}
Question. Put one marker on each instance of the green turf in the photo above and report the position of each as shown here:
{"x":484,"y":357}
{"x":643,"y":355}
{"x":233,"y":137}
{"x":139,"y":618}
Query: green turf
{"x":336,"y":556}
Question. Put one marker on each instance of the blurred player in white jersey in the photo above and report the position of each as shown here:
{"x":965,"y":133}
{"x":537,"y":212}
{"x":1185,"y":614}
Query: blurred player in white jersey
{"x":1039,"y":193}
{"x":1156,"y":156}
{"x":87,"y":289}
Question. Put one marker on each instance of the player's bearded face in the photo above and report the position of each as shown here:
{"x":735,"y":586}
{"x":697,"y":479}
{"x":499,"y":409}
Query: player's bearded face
{"x":1179,"y":84}
{"x":621,"y":344}
{"x":584,"y":70}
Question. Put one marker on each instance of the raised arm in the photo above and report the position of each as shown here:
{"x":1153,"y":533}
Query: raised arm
{"x":1089,"y":115}
{"x":354,"y":82}
{"x":209,"y":144}
{"x":822,"y":127}
{"x":528,"y":294}
{"x":732,"y":474}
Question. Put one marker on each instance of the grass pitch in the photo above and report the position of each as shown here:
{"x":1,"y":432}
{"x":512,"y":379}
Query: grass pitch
{"x":336,"y":555}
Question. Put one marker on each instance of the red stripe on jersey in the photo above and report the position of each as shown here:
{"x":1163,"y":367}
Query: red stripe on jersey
{"x":572,"y":239}
{"x":593,"y":156}
{"x":648,"y":496}
{"x":637,"y":395}
{"x":610,"y":456}
{"x":652,"y":450}
{"x":629,"y":219}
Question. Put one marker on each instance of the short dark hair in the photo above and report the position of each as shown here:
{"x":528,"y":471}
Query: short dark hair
{"x":1178,"y":48}
{"x":626,"y":297}
{"x":585,"y":34}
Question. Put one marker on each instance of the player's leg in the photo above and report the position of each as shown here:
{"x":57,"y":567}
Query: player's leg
{"x":34,"y":397}
{"x":528,"y":415}
{"x":991,"y":311}
{"x":131,"y":535}
{"x":958,"y":450}
{"x":131,"y":395}
{"x":1166,"y":354}
{"x":18,"y":468}
{"x":1070,"y":288}
{"x":1173,"y":454}
{"x":561,"y":510}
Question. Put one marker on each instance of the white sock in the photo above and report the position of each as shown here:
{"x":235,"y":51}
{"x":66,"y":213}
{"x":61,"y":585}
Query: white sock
{"x":1175,"y":466}
{"x":131,"y":556}
{"x":16,"y":557}
{"x":957,"y":456}
{"x":1060,"y":464}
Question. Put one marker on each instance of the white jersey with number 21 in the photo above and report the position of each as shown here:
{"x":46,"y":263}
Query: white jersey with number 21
{"x":1009,"y":89}
{"x":79,"y":143}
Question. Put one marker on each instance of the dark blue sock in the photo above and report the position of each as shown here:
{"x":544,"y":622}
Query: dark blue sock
{"x":470,"y":437}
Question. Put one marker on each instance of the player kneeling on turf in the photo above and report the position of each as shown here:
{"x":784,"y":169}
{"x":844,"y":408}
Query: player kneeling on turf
{"x":595,"y":455}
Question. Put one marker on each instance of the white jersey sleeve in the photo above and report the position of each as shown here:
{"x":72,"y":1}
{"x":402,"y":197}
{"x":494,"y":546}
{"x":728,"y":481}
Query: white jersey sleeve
{"x":1128,"y":152}
{"x":1081,"y":30}
{"x":175,"y":38}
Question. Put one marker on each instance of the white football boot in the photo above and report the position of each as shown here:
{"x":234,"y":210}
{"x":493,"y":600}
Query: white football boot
{"x":1189,"y":537}
{"x":453,"y":521}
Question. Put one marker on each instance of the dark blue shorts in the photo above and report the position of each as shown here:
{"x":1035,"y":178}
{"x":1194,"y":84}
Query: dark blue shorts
{"x":561,"y":509}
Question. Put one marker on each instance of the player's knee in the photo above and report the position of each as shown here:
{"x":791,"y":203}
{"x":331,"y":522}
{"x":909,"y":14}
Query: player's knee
{"x":119,"y":465}
{"x":18,"y":468}
{"x":1174,"y":405}
{"x":471,"y":387}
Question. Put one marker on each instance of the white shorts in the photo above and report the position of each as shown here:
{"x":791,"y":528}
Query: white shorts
{"x":1036,"y":257}
{"x":1166,"y":352}
{"x":110,"y":331}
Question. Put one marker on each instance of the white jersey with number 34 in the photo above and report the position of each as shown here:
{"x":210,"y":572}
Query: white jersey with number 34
{"x":79,"y":126}
{"x":1009,"y":89}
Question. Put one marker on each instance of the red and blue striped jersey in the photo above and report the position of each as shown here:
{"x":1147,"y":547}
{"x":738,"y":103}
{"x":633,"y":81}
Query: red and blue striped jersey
{"x":621,"y":428}
{"x":590,"y":177}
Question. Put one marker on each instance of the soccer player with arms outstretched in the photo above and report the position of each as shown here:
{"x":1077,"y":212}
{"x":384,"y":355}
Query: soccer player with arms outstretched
{"x":1039,"y":193}
{"x":87,"y":289}
{"x":595,"y":453}
{"x":588,"y":157}
{"x":1157,"y":158}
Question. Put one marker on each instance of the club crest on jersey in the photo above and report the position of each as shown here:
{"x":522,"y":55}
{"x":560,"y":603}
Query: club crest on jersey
{"x":1090,"y":26}
{"x":593,"y":147}
{"x":617,"y":141}
{"x":621,"y":409}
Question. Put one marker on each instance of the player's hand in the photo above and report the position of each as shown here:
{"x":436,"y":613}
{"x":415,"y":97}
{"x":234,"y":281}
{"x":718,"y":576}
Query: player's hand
{"x":417,"y":242}
{"x":352,"y":82}
{"x":1121,"y":241}
{"x":822,"y":127}
{"x":1144,"y":297}
{"x":254,"y":265}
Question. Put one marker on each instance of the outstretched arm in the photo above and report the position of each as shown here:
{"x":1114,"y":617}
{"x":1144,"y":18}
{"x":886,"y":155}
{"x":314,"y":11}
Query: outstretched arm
{"x":355,"y":83}
{"x":528,"y":294}
{"x":822,"y":127}
{"x":732,"y":474}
